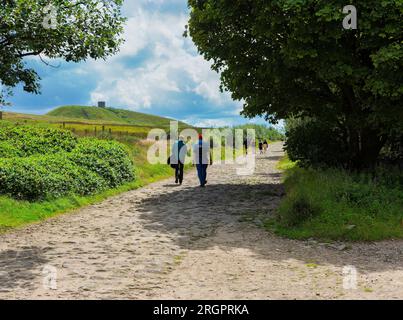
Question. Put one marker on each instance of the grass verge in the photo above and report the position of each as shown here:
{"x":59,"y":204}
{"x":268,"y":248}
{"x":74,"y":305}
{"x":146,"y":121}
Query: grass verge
{"x":334,"y":204}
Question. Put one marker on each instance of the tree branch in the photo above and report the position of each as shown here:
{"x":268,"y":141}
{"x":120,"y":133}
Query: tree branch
{"x":32,"y":53}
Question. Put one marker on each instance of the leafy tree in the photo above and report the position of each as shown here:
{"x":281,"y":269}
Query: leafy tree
{"x":292,"y":58}
{"x":70,"y":30}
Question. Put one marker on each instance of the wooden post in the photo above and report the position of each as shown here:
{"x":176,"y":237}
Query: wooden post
{"x":64,"y":125}
{"x":1,"y":115}
{"x":95,"y":131}
{"x":110,"y":131}
{"x":103,"y":129}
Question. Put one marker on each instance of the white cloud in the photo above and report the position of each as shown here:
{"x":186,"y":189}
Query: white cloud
{"x":172,"y":65}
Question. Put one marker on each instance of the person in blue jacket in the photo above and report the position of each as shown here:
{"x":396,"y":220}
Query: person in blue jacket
{"x":202,"y":158}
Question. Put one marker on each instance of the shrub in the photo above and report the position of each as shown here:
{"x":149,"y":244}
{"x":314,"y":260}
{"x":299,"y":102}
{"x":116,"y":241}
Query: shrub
{"x":40,"y":163}
{"x":315,"y":143}
{"x":29,"y":140}
{"x":109,"y":159}
{"x":46,"y":176}
{"x":7,"y":150}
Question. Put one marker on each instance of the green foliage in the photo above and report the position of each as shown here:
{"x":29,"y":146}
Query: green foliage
{"x":90,"y":29}
{"x":7,"y":150}
{"x":293,"y":59}
{"x":50,"y":163}
{"x":299,"y":211}
{"x":285,"y":164}
{"x":313,"y":143}
{"x":25,"y":141}
{"x":109,"y":159}
{"x":334,"y":204}
{"x":47,"y":176}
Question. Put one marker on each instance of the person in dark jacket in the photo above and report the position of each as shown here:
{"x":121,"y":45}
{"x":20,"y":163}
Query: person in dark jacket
{"x":179,"y":151}
{"x":260,"y":146}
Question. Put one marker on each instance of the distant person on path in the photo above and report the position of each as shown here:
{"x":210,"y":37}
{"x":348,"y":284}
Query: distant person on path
{"x":245,"y":144}
{"x":265,"y":146}
{"x":177,"y":159}
{"x":260,"y":146}
{"x":202,"y":158}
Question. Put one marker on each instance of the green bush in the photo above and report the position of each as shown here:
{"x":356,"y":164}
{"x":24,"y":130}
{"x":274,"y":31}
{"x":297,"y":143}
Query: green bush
{"x":313,"y":143}
{"x":46,"y":176}
{"x":7,"y":150}
{"x":109,"y":159}
{"x":39,"y":163}
{"x":29,"y":140}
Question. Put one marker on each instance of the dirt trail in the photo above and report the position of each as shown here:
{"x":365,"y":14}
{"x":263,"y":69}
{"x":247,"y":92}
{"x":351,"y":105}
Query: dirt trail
{"x":167,"y":241}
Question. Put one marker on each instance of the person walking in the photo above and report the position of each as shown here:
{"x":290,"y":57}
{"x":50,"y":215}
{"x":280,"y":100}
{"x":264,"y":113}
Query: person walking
{"x":202,"y":159}
{"x":245,"y":145}
{"x":265,"y":146}
{"x":260,"y":146}
{"x":177,"y":159}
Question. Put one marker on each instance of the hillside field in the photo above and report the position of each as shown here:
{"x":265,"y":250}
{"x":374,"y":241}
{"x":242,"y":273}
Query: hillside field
{"x":94,"y":121}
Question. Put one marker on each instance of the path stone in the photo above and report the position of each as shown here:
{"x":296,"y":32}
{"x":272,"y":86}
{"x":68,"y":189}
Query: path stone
{"x":184,"y":242}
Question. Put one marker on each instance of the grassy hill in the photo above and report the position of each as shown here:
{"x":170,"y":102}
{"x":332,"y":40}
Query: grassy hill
{"x":110,"y":115}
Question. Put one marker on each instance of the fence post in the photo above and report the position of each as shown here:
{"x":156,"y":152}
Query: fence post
{"x":1,"y":115}
{"x":95,"y":131}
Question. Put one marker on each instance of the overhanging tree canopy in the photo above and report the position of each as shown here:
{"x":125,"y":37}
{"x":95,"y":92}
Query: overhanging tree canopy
{"x":81,"y":29}
{"x":293,"y":58}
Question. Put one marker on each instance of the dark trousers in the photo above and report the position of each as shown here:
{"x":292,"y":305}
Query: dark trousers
{"x":179,"y":172}
{"x":202,"y":173}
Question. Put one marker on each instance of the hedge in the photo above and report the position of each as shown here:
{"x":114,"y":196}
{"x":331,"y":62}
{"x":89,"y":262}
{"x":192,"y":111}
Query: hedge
{"x":38,"y":164}
{"x":29,"y":140}
{"x":109,"y":159}
{"x":48,"y":176}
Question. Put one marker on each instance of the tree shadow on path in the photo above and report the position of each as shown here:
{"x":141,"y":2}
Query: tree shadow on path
{"x":20,"y":267}
{"x":191,"y":216}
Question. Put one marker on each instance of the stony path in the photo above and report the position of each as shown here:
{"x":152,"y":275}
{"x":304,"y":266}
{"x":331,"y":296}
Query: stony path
{"x":166,"y":241}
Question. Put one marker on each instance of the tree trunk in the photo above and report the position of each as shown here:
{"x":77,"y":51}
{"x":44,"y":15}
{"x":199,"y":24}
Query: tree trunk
{"x":365,"y":145}
{"x":364,"y":142}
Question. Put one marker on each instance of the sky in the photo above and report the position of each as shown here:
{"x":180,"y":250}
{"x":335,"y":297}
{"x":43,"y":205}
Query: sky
{"x":157,"y":71}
